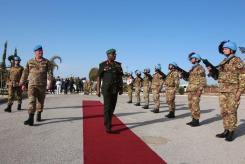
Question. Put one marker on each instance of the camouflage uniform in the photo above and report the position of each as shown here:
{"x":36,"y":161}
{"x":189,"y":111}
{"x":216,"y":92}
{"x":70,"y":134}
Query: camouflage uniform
{"x":36,"y":74}
{"x":157,"y":82}
{"x":197,"y":82}
{"x":14,"y":76}
{"x":86,"y":87}
{"x":146,"y":88}
{"x":172,"y":84}
{"x":231,"y":79}
{"x":130,"y":82}
{"x":137,"y":84}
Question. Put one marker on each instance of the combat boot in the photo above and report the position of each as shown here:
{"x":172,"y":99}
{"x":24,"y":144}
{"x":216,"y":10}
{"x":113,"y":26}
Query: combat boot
{"x":30,"y":120}
{"x":155,"y":110}
{"x":19,"y":107}
{"x":8,"y":109}
{"x":146,"y":107}
{"x":170,"y":115}
{"x":195,"y":123}
{"x":230,"y":136}
{"x":137,"y":104}
{"x":129,"y":102}
{"x":222,"y":135}
{"x":189,"y":123}
{"x":39,"y":119}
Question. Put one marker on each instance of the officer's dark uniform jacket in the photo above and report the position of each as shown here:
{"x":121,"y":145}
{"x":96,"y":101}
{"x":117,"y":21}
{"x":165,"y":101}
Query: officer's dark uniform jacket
{"x":111,"y":76}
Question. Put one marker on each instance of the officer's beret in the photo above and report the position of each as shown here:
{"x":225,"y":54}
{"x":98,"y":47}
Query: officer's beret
{"x":38,"y":47}
{"x":111,"y":51}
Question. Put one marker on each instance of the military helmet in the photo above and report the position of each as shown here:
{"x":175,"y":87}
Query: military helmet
{"x":173,"y":64}
{"x":137,"y":72}
{"x":194,"y":55}
{"x":231,"y":45}
{"x":158,"y":67}
{"x":227,"y":44}
{"x":111,"y":51}
{"x":147,"y":70}
{"x":17,"y":58}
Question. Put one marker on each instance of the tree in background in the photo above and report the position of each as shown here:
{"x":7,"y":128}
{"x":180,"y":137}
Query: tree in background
{"x":53,"y":62}
{"x":93,"y":74}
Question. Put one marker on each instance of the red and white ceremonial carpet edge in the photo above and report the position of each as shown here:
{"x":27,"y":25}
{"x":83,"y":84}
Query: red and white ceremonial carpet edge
{"x":120,"y":147}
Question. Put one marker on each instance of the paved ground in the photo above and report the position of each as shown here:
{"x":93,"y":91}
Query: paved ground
{"x":58,"y":139}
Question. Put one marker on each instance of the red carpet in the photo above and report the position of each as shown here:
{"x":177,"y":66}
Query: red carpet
{"x":122,"y":147}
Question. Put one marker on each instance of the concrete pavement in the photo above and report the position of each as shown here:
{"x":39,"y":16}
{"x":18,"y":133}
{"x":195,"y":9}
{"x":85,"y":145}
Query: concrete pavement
{"x":59,"y":139}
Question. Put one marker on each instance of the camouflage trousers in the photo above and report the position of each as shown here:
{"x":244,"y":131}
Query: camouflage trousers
{"x":137,"y":94}
{"x":170,"y":99}
{"x":228,"y":106}
{"x":146,"y":91}
{"x":194,"y":104}
{"x":36,"y":96}
{"x":156,"y":97}
{"x":11,"y":94}
{"x":130,"y":93}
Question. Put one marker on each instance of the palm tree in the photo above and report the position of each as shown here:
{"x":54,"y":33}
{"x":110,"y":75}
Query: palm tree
{"x":93,"y":74}
{"x":53,"y":62}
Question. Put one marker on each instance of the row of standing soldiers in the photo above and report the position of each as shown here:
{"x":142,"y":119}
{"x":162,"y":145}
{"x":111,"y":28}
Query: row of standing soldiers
{"x":230,"y":74}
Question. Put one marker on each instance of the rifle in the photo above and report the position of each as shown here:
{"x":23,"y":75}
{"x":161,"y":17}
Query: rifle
{"x":242,"y":49}
{"x":214,"y":72}
{"x":162,"y":74}
{"x":184,"y":74}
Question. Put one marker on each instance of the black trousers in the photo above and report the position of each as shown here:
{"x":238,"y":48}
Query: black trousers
{"x":110,"y":101}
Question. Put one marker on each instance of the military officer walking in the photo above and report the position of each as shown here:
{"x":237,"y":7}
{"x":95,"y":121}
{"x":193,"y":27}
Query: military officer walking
{"x":138,"y":84}
{"x":231,"y":78}
{"x":130,"y":86}
{"x":157,"y":82}
{"x":146,"y":87}
{"x":197,"y":82}
{"x":13,"y":80}
{"x":36,"y":72}
{"x":110,"y":73}
{"x":172,"y":84}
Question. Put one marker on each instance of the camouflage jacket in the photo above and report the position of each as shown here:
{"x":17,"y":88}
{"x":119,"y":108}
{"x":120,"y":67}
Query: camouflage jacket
{"x":36,"y":72}
{"x":147,"y":80}
{"x":157,"y":81}
{"x":14,"y":76}
{"x":231,"y":75}
{"x":138,"y":82}
{"x":197,"y":79}
{"x":173,"y":79}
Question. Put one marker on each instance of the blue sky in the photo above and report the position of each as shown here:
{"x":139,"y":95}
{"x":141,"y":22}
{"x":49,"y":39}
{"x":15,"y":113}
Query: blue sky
{"x":144,"y":32}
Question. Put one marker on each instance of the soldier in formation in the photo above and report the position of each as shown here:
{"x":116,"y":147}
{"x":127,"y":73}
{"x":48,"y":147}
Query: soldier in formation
{"x":146,"y":87}
{"x":172,"y":84}
{"x":138,"y":84}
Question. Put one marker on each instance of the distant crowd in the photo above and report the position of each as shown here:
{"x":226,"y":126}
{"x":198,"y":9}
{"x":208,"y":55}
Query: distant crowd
{"x":70,"y":85}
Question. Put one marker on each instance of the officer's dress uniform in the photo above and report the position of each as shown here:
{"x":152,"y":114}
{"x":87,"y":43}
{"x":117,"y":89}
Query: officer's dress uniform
{"x":111,"y":76}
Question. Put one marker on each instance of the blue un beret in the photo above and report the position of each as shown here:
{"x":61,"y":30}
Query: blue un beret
{"x":38,"y":47}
